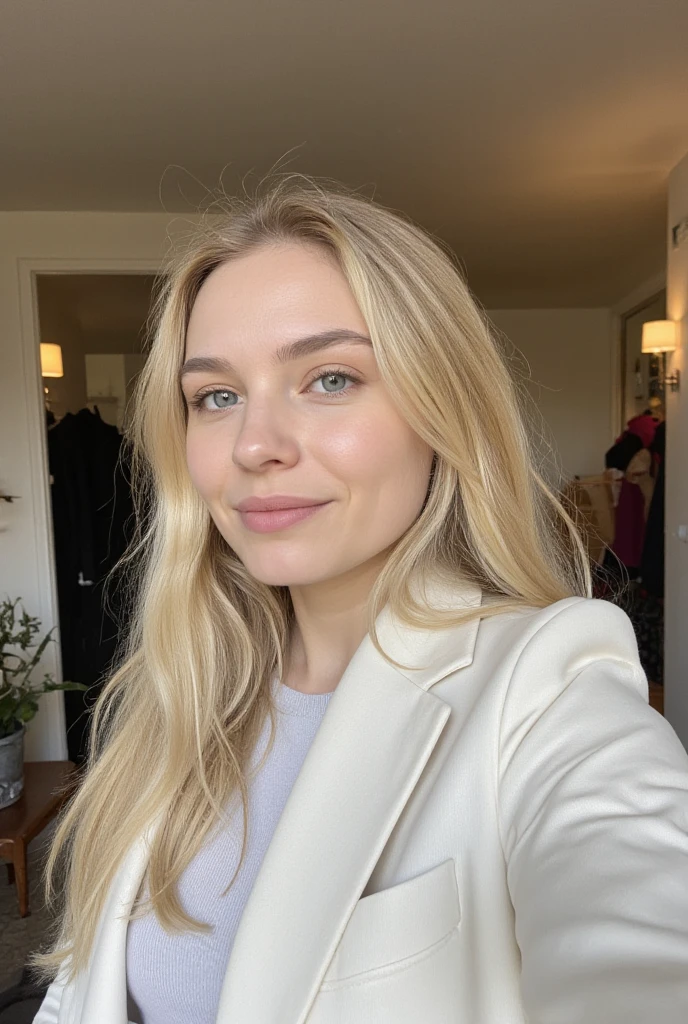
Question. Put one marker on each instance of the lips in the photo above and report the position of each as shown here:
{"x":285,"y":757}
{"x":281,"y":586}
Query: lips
{"x":275,"y":503}
{"x":280,"y":516}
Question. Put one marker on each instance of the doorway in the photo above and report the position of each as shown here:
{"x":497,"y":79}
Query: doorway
{"x":92,"y":331}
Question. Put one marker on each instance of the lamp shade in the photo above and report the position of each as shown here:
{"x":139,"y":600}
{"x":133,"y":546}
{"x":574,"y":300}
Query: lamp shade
{"x":51,"y":361}
{"x":659,"y":336}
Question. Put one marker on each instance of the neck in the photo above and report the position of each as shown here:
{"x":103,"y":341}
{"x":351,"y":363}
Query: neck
{"x":331,"y":620}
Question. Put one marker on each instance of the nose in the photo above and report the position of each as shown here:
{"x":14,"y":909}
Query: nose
{"x":266,"y":438}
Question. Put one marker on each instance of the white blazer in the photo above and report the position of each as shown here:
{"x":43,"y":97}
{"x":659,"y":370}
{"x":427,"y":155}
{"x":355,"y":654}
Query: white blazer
{"x":497,"y":834}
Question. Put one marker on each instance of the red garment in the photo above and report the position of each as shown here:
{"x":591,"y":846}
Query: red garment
{"x":629,"y":535}
{"x":643,"y":427}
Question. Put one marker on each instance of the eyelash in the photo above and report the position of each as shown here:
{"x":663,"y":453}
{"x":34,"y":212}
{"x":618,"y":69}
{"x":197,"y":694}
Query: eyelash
{"x":197,"y":401}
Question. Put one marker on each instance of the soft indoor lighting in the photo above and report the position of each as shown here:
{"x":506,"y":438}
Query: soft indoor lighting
{"x":659,"y":336}
{"x":51,"y":361}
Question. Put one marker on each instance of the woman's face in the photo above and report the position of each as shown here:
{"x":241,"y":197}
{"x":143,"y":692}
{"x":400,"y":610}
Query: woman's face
{"x":287,"y":411}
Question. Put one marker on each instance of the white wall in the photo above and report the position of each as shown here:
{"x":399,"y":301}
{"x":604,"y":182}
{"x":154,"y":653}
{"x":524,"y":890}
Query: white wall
{"x":48,"y":243}
{"x":676,"y":564}
{"x":569,"y":354}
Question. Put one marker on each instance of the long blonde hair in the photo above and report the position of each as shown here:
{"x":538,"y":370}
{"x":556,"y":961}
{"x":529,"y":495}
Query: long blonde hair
{"x":174,"y":727}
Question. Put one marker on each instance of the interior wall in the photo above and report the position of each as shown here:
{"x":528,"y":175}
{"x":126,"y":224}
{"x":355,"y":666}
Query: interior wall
{"x":676,"y":564}
{"x":568,"y":355}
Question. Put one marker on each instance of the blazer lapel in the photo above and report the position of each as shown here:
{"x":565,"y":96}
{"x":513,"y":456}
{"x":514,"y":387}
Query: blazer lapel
{"x":379,"y":730}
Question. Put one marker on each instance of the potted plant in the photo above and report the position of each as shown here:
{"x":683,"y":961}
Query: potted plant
{"x":20,"y":653}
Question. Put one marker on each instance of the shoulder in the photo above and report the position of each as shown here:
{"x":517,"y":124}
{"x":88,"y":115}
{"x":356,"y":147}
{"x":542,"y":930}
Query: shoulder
{"x":575,"y":661}
{"x":568,"y":634}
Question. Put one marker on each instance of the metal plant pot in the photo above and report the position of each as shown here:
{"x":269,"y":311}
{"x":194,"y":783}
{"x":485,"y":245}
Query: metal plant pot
{"x":12,"y":767}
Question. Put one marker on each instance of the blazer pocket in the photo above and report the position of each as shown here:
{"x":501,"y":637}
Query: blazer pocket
{"x":397,"y":924}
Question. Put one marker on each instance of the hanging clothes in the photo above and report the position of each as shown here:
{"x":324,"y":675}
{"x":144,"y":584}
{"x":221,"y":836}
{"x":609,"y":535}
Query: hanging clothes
{"x":652,"y":561}
{"x":629,"y":454}
{"x":629,"y":536}
{"x":639,"y":433}
{"x":649,"y":618}
{"x":92,"y":514}
{"x":638,"y":585}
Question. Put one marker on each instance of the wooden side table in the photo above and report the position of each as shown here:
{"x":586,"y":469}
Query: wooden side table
{"x":47,"y":784}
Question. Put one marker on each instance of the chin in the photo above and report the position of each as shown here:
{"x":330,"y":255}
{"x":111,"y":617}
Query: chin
{"x":275,"y":573}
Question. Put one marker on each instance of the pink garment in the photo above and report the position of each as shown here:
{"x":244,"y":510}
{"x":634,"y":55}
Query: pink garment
{"x":629,"y":535}
{"x":643,"y":427}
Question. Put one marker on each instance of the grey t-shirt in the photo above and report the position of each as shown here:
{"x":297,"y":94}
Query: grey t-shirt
{"x":175,"y":979}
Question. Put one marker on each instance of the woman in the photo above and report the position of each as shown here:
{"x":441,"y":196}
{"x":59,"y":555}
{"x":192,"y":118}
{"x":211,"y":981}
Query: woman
{"x":373,"y":755}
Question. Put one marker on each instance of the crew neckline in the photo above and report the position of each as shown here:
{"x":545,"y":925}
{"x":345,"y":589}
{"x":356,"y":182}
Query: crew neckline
{"x":298,"y":703}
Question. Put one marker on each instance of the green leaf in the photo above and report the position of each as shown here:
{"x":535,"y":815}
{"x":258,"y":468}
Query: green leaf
{"x":26,"y":710}
{"x":50,"y":687}
{"x":8,"y":702}
{"x":36,"y":657}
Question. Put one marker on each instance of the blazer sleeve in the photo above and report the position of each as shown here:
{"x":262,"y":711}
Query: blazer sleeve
{"x":593,"y":805}
{"x":48,"y":1012}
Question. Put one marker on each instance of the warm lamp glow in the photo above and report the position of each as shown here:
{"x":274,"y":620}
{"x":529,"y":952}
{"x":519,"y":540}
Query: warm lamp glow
{"x":51,"y":361}
{"x":659,"y":336}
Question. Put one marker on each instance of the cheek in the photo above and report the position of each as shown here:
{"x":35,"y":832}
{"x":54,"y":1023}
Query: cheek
{"x":381,"y":452}
{"x":204,"y":463}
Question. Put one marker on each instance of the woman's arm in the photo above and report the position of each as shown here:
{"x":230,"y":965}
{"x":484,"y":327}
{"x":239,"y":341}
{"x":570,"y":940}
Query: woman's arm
{"x":593,"y":803}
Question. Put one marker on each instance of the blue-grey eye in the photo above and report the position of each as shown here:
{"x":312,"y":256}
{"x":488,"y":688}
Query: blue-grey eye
{"x":219,"y":400}
{"x":334,"y":381}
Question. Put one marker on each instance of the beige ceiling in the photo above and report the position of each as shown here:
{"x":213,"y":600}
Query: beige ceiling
{"x":535,"y":136}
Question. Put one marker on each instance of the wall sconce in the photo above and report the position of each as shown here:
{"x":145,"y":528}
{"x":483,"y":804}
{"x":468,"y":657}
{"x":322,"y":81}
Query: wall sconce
{"x":659,"y":336}
{"x":51,"y":361}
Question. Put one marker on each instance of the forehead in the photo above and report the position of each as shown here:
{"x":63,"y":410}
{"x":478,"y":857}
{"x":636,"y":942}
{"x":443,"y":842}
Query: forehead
{"x":277,"y":293}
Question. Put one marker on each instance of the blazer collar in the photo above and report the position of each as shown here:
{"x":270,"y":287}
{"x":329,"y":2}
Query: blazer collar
{"x":430,"y":655}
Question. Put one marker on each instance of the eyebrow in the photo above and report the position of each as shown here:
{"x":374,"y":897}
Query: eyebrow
{"x":285,"y":353}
